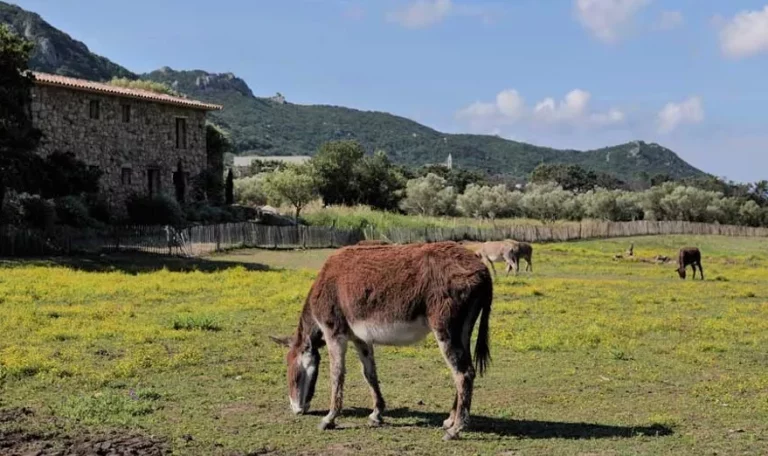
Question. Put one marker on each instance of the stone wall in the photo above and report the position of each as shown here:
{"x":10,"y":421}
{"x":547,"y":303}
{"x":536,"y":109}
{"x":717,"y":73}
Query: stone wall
{"x":147,"y":141}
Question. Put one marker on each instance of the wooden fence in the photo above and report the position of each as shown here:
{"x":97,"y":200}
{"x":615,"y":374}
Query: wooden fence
{"x":561,"y":233}
{"x":202,"y":240}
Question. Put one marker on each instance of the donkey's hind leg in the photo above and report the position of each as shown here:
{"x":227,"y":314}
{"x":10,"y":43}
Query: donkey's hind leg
{"x":337,"y":350}
{"x":365,"y":352}
{"x":457,"y":355}
{"x":701,"y":271}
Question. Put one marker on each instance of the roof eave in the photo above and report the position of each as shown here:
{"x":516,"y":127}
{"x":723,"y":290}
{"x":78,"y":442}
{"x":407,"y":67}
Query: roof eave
{"x":195,"y":105}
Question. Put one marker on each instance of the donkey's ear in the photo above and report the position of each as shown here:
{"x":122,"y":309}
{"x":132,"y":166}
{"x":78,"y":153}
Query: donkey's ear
{"x":285,"y":341}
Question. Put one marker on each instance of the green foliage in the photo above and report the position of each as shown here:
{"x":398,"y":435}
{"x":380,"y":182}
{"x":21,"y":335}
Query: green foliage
{"x":458,"y":178}
{"x":154,"y":210}
{"x":210,"y":185}
{"x":380,"y":183}
{"x":204,"y":213}
{"x":294,"y":185}
{"x":141,"y":84}
{"x":249,"y":191}
{"x":549,"y":202}
{"x":489,"y":202}
{"x":63,"y":174}
{"x":18,"y":136}
{"x":429,"y":195}
{"x":71,"y":211}
{"x":573,"y":177}
{"x":334,"y":164}
{"x":38,"y":212}
{"x":229,"y":189}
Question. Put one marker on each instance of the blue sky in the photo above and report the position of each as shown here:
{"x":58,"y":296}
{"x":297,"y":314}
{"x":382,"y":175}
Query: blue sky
{"x":689,"y":74}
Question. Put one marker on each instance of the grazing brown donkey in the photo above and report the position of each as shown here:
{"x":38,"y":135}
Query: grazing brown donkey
{"x":392,"y":295}
{"x":689,"y":256}
{"x":508,"y":251}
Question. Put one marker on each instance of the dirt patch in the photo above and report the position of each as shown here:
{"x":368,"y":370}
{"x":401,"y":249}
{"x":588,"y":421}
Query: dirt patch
{"x":15,"y":440}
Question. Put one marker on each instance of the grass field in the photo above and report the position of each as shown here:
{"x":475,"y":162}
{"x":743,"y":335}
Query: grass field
{"x":590,"y":356}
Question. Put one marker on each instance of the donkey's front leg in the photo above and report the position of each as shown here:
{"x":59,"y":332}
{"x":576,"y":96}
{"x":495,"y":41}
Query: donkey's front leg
{"x":365,"y":352}
{"x":337,"y":350}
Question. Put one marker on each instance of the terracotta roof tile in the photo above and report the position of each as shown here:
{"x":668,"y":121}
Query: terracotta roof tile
{"x":107,"y":89}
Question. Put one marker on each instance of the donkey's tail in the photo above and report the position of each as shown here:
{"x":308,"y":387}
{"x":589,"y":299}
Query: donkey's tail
{"x":482,"y":345}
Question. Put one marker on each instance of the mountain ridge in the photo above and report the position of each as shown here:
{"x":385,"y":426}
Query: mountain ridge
{"x":273,"y":126}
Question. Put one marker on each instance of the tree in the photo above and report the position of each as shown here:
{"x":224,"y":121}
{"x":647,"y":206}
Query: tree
{"x":380,"y":183}
{"x":334,"y":166}
{"x":550,"y":202}
{"x":488,"y":202}
{"x":249,"y":191}
{"x":62,"y":174}
{"x":18,"y":136}
{"x":294,"y":185}
{"x":230,"y":188}
{"x":458,"y":178}
{"x":428,"y":195}
{"x":210,"y":184}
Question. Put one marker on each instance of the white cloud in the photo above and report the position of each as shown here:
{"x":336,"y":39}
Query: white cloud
{"x":746,"y":34}
{"x":509,"y":108}
{"x":606,"y":18}
{"x":510,"y":104}
{"x":673,"y":115}
{"x":422,"y":13}
{"x":670,"y":20}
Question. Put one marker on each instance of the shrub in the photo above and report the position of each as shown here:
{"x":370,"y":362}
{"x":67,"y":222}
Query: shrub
{"x":154,"y":210}
{"x":12,"y":212}
{"x":429,"y":195}
{"x":98,"y":208}
{"x":249,"y":191}
{"x":71,"y":211}
{"x":38,"y":212}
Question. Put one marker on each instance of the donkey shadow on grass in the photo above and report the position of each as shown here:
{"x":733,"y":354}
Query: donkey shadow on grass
{"x":504,"y":427}
{"x":133,"y":263}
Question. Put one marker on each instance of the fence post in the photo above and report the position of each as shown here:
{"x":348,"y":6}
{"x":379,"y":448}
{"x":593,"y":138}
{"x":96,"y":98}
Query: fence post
{"x":217,"y":236}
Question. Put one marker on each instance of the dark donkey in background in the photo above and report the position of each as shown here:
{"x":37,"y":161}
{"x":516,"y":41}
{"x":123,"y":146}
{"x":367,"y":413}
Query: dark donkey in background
{"x":392,"y":295}
{"x":689,"y":256}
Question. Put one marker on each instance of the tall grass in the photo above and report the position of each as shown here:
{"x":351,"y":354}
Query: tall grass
{"x":364,"y":216}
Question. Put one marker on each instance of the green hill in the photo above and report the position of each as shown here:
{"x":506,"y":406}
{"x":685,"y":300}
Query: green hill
{"x":271,"y":126}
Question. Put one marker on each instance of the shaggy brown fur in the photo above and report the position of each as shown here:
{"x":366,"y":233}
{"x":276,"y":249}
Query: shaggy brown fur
{"x":393,"y":295}
{"x":689,"y":256}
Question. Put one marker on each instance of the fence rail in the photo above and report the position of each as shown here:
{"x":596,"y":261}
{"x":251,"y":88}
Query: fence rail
{"x":202,"y":240}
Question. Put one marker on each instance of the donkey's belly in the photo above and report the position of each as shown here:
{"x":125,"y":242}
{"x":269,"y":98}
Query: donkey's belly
{"x":397,"y":333}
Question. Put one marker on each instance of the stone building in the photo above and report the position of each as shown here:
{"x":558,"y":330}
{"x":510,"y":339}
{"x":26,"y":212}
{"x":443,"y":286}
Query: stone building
{"x":138,"y":139}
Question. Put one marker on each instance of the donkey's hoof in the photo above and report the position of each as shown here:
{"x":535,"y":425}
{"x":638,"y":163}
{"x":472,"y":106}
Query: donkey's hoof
{"x":450,"y":436}
{"x":375,"y":422}
{"x":326,"y":425}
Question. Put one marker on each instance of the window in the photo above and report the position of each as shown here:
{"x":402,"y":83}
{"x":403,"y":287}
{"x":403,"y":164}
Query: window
{"x":126,"y":113}
{"x":153,"y":181}
{"x":95,"y":109}
{"x":126,"y":176}
{"x":181,"y":133}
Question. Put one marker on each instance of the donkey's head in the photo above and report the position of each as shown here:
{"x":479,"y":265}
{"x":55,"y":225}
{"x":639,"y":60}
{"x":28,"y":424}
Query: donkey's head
{"x":681,"y":271}
{"x":303,"y":361}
